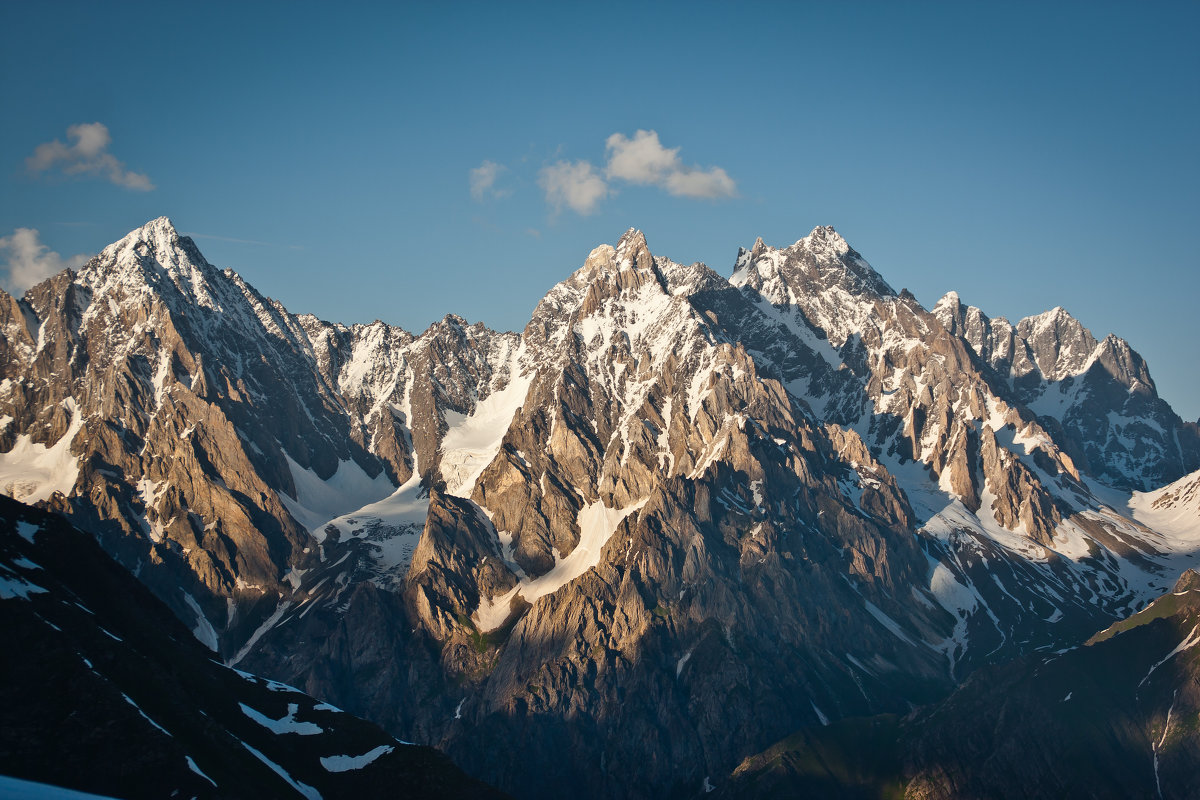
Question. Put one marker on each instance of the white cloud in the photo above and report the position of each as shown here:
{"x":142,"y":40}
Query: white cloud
{"x":86,"y":155}
{"x":483,"y":180}
{"x":644,"y":160}
{"x":691,"y":182}
{"x":30,"y":262}
{"x":576,"y":185}
{"x":641,"y":159}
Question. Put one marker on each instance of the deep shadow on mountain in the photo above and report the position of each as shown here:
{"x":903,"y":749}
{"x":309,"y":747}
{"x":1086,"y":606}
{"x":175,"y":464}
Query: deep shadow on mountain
{"x":1115,"y":718}
{"x":103,"y":690}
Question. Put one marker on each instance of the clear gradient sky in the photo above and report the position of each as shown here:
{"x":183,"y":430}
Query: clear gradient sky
{"x":401,"y":162}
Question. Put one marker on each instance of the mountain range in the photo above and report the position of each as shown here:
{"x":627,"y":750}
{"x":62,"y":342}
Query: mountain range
{"x":675,"y":520}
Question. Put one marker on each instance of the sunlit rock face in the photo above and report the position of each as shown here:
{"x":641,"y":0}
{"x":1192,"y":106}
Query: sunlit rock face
{"x":674,"y":519}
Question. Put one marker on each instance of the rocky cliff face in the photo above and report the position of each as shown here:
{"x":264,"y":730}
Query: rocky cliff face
{"x":103,"y":679}
{"x":675,"y":518}
{"x":1114,"y":718}
{"x":1097,"y":396}
{"x":200,"y":429}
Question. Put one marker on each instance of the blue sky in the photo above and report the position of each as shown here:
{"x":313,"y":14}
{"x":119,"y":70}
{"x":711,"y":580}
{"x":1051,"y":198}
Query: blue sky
{"x":1025,"y":155}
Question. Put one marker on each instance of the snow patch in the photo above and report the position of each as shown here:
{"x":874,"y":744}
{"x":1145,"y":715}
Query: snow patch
{"x":17,"y":789}
{"x":26,"y":531}
{"x":887,"y":622}
{"x":31,"y":472}
{"x":473,"y":440}
{"x":347,"y":763}
{"x":317,"y":500}
{"x":597,"y":523}
{"x":13,"y":586}
{"x":285,"y":724}
{"x":1173,"y":510}
{"x":392,"y":525}
{"x":204,"y":630}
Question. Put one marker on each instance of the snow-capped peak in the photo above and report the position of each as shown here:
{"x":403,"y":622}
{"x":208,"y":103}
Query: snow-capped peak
{"x":632,"y":237}
{"x":949,"y":300}
{"x":160,"y":234}
{"x":633,"y":252}
{"x":824,"y":240}
{"x":149,"y":259}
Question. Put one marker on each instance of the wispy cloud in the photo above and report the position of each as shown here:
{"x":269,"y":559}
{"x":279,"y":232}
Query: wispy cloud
{"x":28,"y":262}
{"x":87,"y":154}
{"x":573,"y":184}
{"x":643,"y":160}
{"x":231,"y":239}
{"x":709,"y":183}
{"x":483,"y":180}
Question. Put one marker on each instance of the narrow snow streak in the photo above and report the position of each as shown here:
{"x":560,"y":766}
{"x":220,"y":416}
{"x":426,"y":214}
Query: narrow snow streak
{"x":1192,"y":640}
{"x":192,"y":766}
{"x":204,"y":631}
{"x":304,"y":789}
{"x":129,"y":700}
{"x":1159,"y":744}
{"x":267,"y":624}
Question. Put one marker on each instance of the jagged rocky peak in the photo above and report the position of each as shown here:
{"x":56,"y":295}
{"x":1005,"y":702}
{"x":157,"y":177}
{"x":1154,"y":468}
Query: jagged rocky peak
{"x":1059,"y":343}
{"x":821,"y":261}
{"x":957,"y":317}
{"x":620,"y":503}
{"x":993,"y":340}
{"x":1189,"y":581}
{"x":629,"y":265}
{"x":1124,"y":364}
{"x":150,"y":258}
{"x":157,"y":237}
{"x":951,"y":301}
{"x":608,"y":273}
{"x":825,"y":239}
{"x":632,"y":248}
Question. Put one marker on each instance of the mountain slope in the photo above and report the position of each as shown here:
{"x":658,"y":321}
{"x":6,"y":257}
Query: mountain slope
{"x":1097,"y":395}
{"x":1115,"y":718}
{"x":102,"y":677}
{"x":203,"y":431}
{"x":671,"y":495}
{"x":674,"y":519}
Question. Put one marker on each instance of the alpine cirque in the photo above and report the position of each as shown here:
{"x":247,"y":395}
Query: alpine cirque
{"x":676,"y":519}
